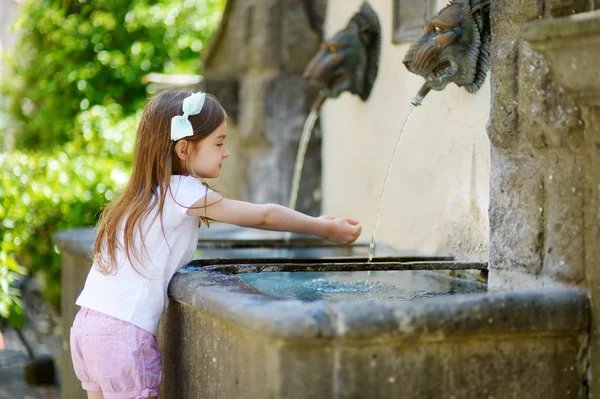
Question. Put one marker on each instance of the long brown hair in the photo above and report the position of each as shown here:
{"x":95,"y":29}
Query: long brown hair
{"x":154,"y":162}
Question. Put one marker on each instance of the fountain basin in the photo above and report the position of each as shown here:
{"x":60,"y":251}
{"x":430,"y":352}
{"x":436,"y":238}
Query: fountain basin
{"x":570,"y":44}
{"x":235,"y":341}
{"x":380,"y":285}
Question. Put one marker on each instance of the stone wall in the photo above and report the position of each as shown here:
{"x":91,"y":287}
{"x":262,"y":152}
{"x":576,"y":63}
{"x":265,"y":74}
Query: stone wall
{"x":254,"y":66}
{"x":540,"y":177}
{"x":545,"y":135}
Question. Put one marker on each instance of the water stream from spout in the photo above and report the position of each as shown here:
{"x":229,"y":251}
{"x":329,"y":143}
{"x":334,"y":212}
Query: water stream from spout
{"x":299,"y":165}
{"x":304,"y":139}
{"x":309,"y":124}
{"x":372,"y":244}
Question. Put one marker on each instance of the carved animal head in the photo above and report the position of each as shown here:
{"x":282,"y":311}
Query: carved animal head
{"x":454,"y":46}
{"x":350,"y":59}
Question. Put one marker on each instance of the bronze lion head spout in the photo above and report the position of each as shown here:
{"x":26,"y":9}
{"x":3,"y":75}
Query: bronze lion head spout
{"x":454,"y":47}
{"x":349,"y":60}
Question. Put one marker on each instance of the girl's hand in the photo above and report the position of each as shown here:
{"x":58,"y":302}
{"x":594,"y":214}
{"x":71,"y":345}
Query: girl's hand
{"x":342,"y":230}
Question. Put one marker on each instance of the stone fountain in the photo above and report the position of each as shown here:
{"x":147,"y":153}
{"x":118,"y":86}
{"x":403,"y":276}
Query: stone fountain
{"x":532,"y":335}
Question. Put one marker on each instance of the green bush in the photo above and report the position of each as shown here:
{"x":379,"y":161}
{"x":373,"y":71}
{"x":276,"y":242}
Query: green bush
{"x":76,"y":54}
{"x":43,"y":194}
{"x":10,"y":304}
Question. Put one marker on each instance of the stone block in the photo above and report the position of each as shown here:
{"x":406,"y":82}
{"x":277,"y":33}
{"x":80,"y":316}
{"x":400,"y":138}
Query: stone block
{"x":227,"y":92}
{"x":591,"y":116}
{"x":310,"y":370}
{"x":570,"y":45}
{"x":265,"y":20}
{"x":548,"y":115}
{"x":502,"y":127}
{"x":299,"y":40}
{"x":278,"y":35}
{"x":286,"y":100}
{"x":515,"y":12}
{"x":251,"y":124}
{"x":516,"y":213}
{"x":565,"y":186}
{"x":262,"y":168}
{"x":562,"y":8}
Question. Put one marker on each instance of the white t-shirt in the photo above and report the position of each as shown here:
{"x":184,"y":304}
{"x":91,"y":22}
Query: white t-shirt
{"x":141,"y":299}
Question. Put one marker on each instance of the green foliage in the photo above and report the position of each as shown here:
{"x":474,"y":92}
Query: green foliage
{"x":46,"y":193}
{"x":74,"y":88}
{"x":10,"y":304}
{"x":74,"y":55}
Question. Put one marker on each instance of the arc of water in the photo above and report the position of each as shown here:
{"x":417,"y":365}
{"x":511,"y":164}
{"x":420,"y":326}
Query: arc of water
{"x":372,"y":244}
{"x":299,"y":165}
{"x":301,"y":154}
{"x":387,"y":173}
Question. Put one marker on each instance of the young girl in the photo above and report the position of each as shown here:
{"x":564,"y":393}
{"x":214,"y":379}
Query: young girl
{"x":151,"y":231}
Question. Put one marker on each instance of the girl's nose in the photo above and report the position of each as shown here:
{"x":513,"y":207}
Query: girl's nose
{"x":225,"y":153}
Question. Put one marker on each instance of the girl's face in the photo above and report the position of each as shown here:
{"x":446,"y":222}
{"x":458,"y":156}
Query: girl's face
{"x":207,"y":158}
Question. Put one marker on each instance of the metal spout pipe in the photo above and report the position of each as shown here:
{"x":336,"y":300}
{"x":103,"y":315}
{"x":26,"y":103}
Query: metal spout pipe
{"x":416,"y":100}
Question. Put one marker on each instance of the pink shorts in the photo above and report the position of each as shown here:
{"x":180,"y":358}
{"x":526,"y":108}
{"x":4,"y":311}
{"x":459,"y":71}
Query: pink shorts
{"x":115,"y":357}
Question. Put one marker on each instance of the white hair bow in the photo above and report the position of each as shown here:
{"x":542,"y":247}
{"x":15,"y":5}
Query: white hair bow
{"x":180,"y":124}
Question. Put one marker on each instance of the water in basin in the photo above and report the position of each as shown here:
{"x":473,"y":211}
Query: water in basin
{"x":382,"y":285}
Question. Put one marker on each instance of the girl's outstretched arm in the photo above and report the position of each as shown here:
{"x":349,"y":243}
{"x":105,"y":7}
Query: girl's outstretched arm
{"x":275,"y":217}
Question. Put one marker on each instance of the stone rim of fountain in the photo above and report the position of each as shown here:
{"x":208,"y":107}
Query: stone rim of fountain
{"x":227,"y":297}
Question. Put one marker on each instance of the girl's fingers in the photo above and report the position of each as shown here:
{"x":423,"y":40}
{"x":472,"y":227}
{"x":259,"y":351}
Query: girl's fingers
{"x":353,"y":222}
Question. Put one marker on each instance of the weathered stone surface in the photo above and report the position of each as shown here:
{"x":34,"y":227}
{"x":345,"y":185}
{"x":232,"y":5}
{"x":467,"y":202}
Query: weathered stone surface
{"x":300,"y":40}
{"x":220,"y":338}
{"x":255,"y":62}
{"x":286,"y":100}
{"x":227,"y":91}
{"x":548,"y":116}
{"x":514,"y":12}
{"x":564,"y":250}
{"x":558,"y":97}
{"x":516,"y":213}
{"x":252,"y":110}
{"x":502,"y":127}
{"x":507,"y":18}
{"x":561,"y":8}
{"x":501,"y":345}
{"x":570,"y":44}
{"x":591,"y":116}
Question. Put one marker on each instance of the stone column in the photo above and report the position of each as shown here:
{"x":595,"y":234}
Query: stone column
{"x":591,"y":116}
{"x":539,"y":173}
{"x":545,"y":134}
{"x":255,"y":66}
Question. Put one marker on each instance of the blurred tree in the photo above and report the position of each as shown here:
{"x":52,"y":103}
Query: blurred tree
{"x":75,"y":54}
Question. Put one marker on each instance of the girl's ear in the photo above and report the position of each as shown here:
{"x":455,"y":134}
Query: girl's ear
{"x":182,"y":149}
